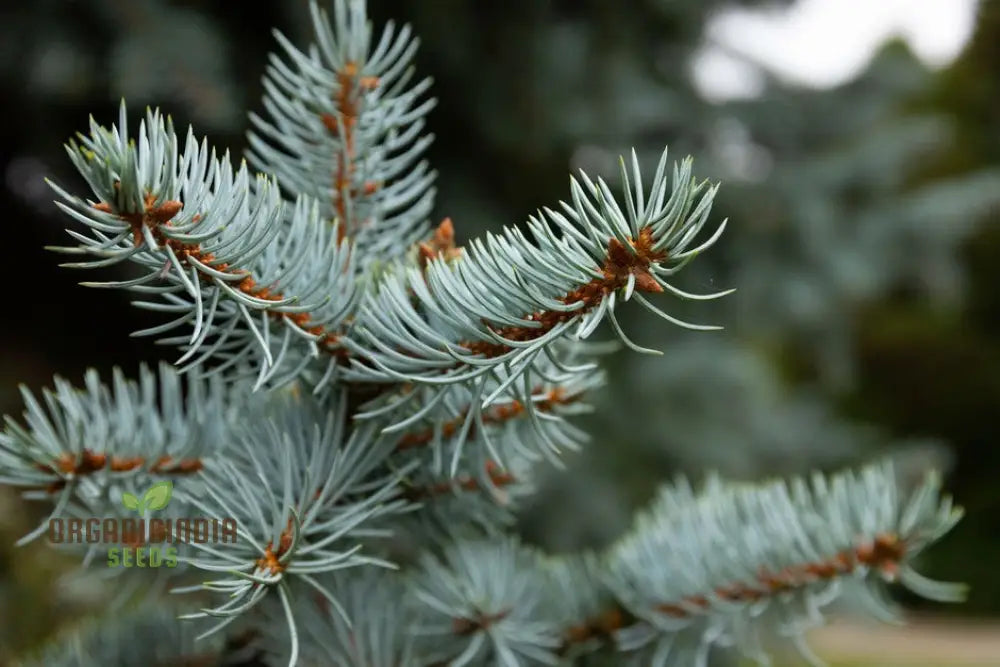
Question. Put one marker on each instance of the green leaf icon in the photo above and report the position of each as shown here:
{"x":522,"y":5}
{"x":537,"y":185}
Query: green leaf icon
{"x":158,"y":495}
{"x":129,"y":501}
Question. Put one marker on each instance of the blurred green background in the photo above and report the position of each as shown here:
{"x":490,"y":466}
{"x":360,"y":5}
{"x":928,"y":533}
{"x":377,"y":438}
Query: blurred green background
{"x":864,"y":237}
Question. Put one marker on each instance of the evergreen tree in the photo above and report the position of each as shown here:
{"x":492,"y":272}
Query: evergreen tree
{"x":364,"y":403}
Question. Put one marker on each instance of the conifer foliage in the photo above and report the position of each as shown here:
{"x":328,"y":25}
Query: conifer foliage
{"x":359,"y":403}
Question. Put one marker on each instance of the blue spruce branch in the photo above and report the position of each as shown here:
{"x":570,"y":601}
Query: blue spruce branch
{"x":354,"y":378}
